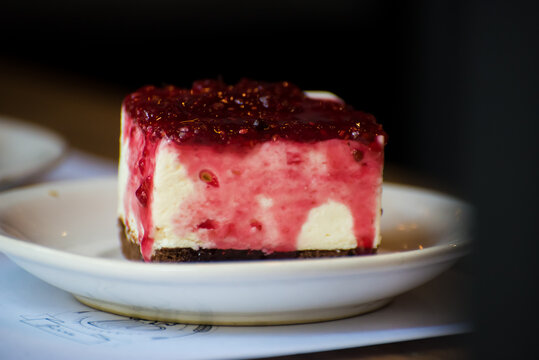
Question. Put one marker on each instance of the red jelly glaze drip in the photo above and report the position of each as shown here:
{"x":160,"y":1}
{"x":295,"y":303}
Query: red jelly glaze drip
{"x":143,"y":191}
{"x":208,"y":224}
{"x":141,"y":163}
{"x":212,"y":112}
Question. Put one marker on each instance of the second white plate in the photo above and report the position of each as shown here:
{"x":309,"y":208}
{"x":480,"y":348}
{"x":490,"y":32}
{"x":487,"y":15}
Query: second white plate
{"x":66,"y":234}
{"x":26,"y":150}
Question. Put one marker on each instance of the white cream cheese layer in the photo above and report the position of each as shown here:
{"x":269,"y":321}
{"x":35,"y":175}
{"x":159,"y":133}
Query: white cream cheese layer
{"x":171,"y":186}
{"x":125,"y":212}
{"x":328,"y":226}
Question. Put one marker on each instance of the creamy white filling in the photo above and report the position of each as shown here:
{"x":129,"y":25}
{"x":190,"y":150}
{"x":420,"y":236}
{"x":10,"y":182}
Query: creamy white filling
{"x":329,"y":226}
{"x":171,"y":186}
{"x":123,"y":170}
{"x":124,"y":211}
{"x":323,"y":95}
{"x":377,"y":236}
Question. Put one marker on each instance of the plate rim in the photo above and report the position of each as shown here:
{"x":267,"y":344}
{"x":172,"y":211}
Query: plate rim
{"x":20,"y":177}
{"x":18,"y":249}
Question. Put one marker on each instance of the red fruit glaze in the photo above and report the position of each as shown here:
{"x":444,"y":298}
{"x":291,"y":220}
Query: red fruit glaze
{"x":140,"y":162}
{"x":212,"y":112}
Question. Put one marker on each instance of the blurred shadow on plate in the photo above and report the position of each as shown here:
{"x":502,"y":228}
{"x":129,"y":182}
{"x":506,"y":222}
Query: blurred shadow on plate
{"x":405,"y":237}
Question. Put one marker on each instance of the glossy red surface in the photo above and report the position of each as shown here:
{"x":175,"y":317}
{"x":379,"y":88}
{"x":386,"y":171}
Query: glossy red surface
{"x":212,"y":112}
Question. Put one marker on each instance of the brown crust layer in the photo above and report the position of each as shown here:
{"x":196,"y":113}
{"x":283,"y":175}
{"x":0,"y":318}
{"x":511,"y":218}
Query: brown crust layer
{"x":131,"y":251}
{"x":130,"y":248}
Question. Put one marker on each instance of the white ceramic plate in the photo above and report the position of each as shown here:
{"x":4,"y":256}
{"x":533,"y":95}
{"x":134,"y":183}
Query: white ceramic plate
{"x":26,"y":151}
{"x":66,"y":234}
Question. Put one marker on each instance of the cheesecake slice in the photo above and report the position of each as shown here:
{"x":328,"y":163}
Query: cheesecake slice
{"x":247,"y":171}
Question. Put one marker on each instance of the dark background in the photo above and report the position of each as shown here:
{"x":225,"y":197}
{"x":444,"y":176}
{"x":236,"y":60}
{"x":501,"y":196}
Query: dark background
{"x":453,"y":82}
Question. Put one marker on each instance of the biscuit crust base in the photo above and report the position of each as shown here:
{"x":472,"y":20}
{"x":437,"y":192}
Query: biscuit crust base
{"x":131,"y":251}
